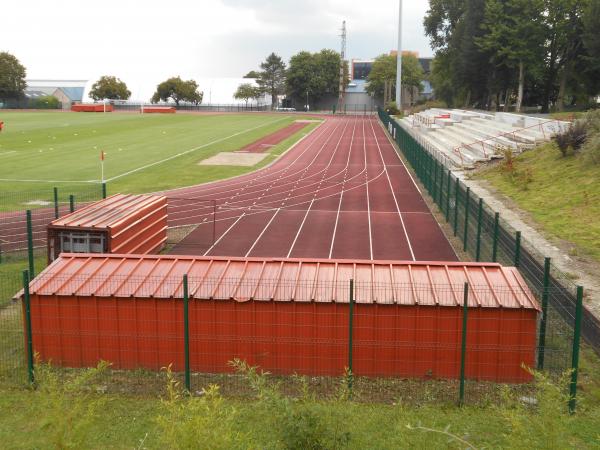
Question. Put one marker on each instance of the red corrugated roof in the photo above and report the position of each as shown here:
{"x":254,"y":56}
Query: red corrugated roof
{"x":107,"y":213}
{"x":301,"y":280}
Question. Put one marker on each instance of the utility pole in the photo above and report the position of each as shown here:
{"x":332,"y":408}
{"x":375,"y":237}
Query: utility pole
{"x":342,"y":60}
{"x":399,"y":63}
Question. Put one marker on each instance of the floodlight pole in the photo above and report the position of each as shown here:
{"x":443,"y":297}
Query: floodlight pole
{"x":399,"y":62}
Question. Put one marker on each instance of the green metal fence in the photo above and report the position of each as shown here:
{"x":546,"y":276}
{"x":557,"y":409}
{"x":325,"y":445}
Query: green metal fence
{"x":329,"y":346}
{"x":486,"y":236}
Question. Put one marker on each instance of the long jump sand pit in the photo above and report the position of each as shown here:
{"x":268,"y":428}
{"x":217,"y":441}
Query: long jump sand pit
{"x":234,"y":159}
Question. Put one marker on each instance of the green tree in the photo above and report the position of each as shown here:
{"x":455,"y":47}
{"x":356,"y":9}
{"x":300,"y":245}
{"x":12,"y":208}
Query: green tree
{"x":272,"y":77}
{"x":514,"y":37}
{"x":384,"y":69}
{"x":178,"y":90}
{"x":315,"y":74}
{"x":591,"y":41}
{"x":252,"y":74}
{"x":246,"y":91}
{"x":562,"y":20}
{"x":109,"y":87}
{"x":12,"y":77}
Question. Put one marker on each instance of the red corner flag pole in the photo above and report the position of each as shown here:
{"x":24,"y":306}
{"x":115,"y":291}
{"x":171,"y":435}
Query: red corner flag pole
{"x":102,"y":164}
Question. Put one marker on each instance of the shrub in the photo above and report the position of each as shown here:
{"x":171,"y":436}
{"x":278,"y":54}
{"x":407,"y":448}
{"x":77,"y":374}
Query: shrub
{"x":571,"y":140}
{"x":591,"y":149}
{"x":46,"y":102}
{"x":192,"y":422}
{"x":302,"y":423}
{"x":392,"y":109}
{"x":69,"y":404}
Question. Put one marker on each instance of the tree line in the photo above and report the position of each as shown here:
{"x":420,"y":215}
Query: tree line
{"x":494,"y":54}
{"x":307,"y":78}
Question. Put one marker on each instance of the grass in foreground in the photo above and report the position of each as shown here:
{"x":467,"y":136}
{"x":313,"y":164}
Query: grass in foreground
{"x":78,"y":415}
{"x":561,"y":193}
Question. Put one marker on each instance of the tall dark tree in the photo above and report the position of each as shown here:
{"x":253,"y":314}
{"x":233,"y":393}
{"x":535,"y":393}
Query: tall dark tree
{"x":12,"y":77}
{"x":252,"y":74}
{"x":272,"y":77}
{"x":590,"y":62}
{"x":514,"y":38}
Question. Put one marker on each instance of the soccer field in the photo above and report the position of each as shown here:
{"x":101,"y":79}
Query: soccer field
{"x":143,"y":153}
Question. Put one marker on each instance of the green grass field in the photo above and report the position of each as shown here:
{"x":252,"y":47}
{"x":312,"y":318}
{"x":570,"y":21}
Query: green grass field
{"x":562,"y":194}
{"x":144,"y":153}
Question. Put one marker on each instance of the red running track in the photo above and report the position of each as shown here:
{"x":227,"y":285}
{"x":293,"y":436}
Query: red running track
{"x":341,"y":192}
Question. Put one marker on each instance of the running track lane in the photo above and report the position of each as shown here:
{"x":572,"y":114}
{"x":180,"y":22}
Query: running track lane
{"x":342,"y":192}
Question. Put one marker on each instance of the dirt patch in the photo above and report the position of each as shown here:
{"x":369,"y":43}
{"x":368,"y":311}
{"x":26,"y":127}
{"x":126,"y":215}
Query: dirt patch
{"x":234,"y":159}
{"x":272,"y":139}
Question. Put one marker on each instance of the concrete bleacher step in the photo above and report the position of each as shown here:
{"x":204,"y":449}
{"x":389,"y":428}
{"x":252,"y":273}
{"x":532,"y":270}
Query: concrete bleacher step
{"x":493,"y":140}
{"x":519,"y":135}
{"x":457,"y":143}
{"x":491,"y":146}
{"x":455,"y":146}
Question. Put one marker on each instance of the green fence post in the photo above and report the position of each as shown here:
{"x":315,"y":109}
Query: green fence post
{"x":456,"y":206}
{"x":56,"y":203}
{"x":544,"y":321}
{"x":496,"y":233}
{"x":466,"y":231}
{"x":71,"y":203}
{"x":434,"y":170}
{"x":104,"y":189}
{"x":441,"y":191}
{"x":448,"y":189}
{"x":517,"y":248}
{"x":463,"y":345}
{"x":479,"y":217}
{"x":350,"y":334}
{"x":30,"y":243}
{"x":29,"y":334}
{"x":186,"y":333}
{"x":575,"y":353}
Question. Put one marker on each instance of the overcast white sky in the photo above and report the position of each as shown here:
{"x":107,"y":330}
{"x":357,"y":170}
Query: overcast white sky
{"x":155,"y":39}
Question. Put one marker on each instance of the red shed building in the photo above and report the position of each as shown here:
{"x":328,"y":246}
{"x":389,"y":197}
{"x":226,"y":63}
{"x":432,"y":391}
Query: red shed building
{"x":285,"y":315}
{"x":118,"y":224}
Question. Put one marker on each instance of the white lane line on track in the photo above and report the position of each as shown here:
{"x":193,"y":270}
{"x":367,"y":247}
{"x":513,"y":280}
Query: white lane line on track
{"x":367,"y":183}
{"x":337,"y":217}
{"x":300,"y":228}
{"x":216,"y":141}
{"x":315,"y":193}
{"x":262,"y":232}
{"x":272,"y":208}
{"x":223,"y":235}
{"x":412,"y":253}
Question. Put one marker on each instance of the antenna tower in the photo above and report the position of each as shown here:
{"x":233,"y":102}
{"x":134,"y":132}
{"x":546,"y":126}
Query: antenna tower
{"x":342,"y":60}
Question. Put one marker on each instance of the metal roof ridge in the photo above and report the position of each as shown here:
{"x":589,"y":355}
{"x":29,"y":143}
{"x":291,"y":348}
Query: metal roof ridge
{"x":377,"y":262}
